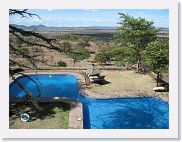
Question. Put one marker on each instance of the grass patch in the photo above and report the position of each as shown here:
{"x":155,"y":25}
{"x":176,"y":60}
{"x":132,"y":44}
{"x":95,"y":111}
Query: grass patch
{"x":54,"y":116}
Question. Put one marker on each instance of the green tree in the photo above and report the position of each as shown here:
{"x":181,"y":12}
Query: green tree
{"x":120,"y":54}
{"x":61,"y":64}
{"x":24,"y":50}
{"x":66,"y":46}
{"x":135,"y":33}
{"x":78,"y":54}
{"x":104,"y":55}
{"x":111,"y":51}
{"x":83,"y":44}
{"x":16,"y":41}
{"x":157,"y":56}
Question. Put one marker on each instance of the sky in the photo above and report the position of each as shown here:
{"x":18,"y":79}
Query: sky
{"x":89,"y":17}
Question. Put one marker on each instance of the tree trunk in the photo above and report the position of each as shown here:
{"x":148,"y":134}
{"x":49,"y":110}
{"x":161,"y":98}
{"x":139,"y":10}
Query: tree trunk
{"x":138,"y":65}
{"x":158,"y":76}
{"x":74,"y":61}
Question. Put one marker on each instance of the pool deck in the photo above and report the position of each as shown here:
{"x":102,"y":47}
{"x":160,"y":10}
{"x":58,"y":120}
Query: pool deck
{"x":75,"y":116}
{"x":117,"y":95}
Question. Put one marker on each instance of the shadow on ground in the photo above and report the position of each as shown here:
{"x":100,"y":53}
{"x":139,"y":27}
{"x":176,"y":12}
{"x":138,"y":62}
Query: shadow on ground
{"x":104,"y":82}
{"x":48,"y":110}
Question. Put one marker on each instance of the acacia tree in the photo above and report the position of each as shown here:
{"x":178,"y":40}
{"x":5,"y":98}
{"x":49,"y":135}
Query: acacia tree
{"x":135,"y":33}
{"x":157,"y":56}
{"x":66,"y":46}
{"x":104,"y":55}
{"x":78,"y":54}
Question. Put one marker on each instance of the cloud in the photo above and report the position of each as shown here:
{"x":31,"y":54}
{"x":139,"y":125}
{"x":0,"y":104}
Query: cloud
{"x":36,"y":20}
{"x":103,"y":20}
{"x":50,"y":9}
{"x":95,"y":10}
{"x":92,"y":10}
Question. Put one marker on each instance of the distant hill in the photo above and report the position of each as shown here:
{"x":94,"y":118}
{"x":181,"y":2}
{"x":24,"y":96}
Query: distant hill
{"x":40,"y":27}
{"x":90,"y":31}
{"x":45,"y":28}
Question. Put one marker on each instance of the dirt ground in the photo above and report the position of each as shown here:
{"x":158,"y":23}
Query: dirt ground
{"x":125,"y":83}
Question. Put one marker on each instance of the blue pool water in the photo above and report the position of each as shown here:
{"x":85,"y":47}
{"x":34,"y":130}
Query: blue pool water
{"x":120,"y":113}
{"x":46,"y":85}
{"x":126,"y":113}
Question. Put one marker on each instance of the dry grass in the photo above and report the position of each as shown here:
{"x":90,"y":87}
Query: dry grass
{"x":51,"y":57}
{"x":124,"y":82}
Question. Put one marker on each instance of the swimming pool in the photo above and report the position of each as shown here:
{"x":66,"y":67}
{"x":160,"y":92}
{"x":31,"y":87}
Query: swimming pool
{"x":46,"y":86}
{"x":118,"y":113}
{"x":126,"y":113}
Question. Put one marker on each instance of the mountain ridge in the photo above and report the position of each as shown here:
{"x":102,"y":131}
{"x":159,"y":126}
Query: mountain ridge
{"x":38,"y":27}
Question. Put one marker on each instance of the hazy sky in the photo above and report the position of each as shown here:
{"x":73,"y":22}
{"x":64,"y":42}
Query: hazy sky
{"x":89,"y":17}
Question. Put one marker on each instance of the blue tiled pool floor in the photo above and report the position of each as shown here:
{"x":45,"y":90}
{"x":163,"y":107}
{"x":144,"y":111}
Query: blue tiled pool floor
{"x":126,"y":113}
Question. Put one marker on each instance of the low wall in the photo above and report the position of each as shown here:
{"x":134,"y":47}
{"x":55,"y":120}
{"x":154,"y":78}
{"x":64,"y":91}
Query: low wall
{"x":72,"y":68}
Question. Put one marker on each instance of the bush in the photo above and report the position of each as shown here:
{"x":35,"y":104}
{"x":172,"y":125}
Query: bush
{"x":36,"y":49}
{"x":62,"y":64}
{"x":103,"y":55}
{"x":69,"y":37}
{"x":83,"y":44}
{"x":78,"y":54}
{"x":66,"y":46}
{"x":24,"y":50}
{"x":87,"y":38}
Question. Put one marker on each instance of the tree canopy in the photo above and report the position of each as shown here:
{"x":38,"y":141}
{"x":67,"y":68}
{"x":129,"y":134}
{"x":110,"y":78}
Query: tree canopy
{"x":79,"y":54}
{"x":104,"y":55}
{"x":135,"y":33}
{"x":157,"y":55}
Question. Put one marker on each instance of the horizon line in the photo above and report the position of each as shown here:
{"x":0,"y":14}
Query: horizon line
{"x":74,"y":26}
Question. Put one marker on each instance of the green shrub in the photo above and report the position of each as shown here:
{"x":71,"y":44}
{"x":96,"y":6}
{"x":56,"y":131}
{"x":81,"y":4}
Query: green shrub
{"x":83,"y":44}
{"x":24,"y":50}
{"x":61,"y":64}
{"x":36,"y":49}
{"x":66,"y":46}
{"x":69,"y":37}
{"x":78,"y":54}
{"x":104,"y":55}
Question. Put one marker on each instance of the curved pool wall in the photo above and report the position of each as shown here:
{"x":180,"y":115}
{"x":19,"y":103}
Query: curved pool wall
{"x":45,"y":85}
{"x":118,"y":113}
